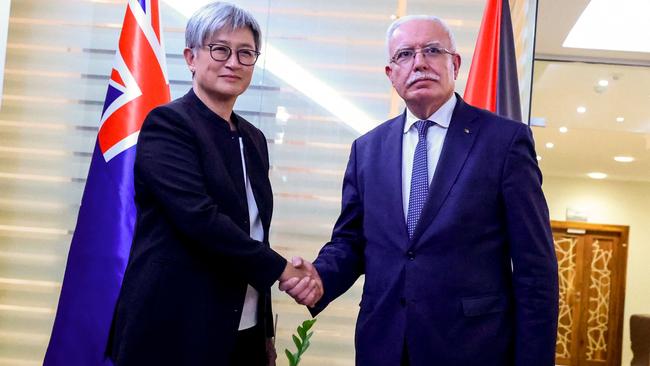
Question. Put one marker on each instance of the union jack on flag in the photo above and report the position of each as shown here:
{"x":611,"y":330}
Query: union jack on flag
{"x":102,"y":239}
{"x":138,"y":80}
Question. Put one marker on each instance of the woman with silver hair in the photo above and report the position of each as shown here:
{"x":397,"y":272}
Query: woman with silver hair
{"x":197,"y":286}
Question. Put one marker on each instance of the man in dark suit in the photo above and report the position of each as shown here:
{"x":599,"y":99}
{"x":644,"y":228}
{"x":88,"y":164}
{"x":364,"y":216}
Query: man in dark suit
{"x":443,"y":212}
{"x":197,"y":286}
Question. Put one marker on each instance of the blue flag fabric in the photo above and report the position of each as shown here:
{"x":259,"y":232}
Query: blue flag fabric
{"x":102,"y":239}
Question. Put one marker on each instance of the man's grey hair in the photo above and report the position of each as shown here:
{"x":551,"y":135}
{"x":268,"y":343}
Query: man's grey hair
{"x":398,"y":22}
{"x":215,"y":17}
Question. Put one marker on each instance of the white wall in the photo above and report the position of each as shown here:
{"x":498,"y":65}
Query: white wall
{"x":618,"y":203}
{"x":4,"y":27}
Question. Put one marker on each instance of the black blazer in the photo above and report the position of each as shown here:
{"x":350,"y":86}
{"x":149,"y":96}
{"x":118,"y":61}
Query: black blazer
{"x":192,"y":256}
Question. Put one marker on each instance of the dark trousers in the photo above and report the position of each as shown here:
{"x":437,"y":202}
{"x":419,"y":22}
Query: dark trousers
{"x":250,"y":348}
{"x":405,"y":356}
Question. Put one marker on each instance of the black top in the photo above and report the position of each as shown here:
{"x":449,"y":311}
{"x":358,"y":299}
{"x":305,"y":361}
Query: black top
{"x":192,"y":256}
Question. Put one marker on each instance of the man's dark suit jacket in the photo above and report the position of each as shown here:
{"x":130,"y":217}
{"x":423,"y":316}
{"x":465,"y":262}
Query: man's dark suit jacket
{"x":477,"y":284}
{"x":192,"y":256}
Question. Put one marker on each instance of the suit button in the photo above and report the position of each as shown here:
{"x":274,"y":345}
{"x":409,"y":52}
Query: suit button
{"x":410,"y":255}
{"x":402,"y":301}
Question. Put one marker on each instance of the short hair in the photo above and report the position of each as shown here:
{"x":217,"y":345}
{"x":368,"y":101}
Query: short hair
{"x":217,"y":16}
{"x":405,"y":19}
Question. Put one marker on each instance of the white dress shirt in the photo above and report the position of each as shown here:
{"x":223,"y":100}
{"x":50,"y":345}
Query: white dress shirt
{"x":249,"y":312}
{"x":435,"y":138}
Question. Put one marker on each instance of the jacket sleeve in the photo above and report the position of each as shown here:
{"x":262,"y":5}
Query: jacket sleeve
{"x":535,"y":276}
{"x":168,"y":165}
{"x":341,"y":261}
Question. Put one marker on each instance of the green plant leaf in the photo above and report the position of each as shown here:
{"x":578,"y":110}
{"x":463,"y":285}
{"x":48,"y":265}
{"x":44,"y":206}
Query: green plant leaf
{"x":292,"y":360}
{"x":307,"y":324}
{"x":297,"y":342}
{"x":301,"y":341}
{"x":301,"y":332}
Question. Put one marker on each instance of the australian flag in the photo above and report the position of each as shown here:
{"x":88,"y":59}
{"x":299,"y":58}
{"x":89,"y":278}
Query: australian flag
{"x":102,"y":239}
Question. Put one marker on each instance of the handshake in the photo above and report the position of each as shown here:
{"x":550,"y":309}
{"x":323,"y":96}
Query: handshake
{"x":301,"y":281}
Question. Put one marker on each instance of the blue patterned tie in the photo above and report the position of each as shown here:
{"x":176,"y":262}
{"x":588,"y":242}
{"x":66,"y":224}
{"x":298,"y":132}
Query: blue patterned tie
{"x":419,"y":178}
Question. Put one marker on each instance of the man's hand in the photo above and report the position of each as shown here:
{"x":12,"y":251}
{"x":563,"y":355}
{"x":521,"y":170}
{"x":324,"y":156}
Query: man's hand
{"x":307,"y":290}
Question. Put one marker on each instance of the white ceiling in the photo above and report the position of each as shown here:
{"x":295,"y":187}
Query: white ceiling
{"x":568,"y":78}
{"x":554,"y":21}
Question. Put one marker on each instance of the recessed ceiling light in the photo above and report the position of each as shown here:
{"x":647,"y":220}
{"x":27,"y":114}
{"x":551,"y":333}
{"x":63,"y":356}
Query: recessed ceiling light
{"x":620,"y":119}
{"x":597,"y":175}
{"x":539,"y":158}
{"x":624,"y":159}
{"x":549,"y":145}
{"x":581,"y":109}
{"x":564,"y":129}
{"x":603,"y":82}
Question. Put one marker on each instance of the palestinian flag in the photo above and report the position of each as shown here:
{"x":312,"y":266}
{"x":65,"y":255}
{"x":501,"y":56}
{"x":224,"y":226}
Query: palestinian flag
{"x":492,"y":83}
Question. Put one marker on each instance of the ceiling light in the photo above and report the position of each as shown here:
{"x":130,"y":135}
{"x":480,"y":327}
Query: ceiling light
{"x":620,"y":25}
{"x":624,"y":159}
{"x":620,"y":119}
{"x":393,"y":17}
{"x":603,"y":82}
{"x":597,"y":175}
{"x":564,"y":129}
{"x":549,"y":145}
{"x":581,"y":109}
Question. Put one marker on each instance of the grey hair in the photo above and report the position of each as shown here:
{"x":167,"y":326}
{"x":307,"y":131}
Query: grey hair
{"x":217,"y":16}
{"x":405,"y":19}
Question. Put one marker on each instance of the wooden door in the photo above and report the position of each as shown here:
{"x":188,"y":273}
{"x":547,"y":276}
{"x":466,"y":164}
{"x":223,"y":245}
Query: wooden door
{"x":591,"y":263}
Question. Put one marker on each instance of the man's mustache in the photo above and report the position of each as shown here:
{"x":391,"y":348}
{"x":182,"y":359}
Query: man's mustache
{"x":419,"y":75}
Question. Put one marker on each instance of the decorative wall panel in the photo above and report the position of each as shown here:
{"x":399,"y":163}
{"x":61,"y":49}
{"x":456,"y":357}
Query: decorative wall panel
{"x":600,"y":283}
{"x":565,"y":249}
{"x":591,"y":268}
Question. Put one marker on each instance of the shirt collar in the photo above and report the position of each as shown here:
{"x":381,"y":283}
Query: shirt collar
{"x":442,"y":117}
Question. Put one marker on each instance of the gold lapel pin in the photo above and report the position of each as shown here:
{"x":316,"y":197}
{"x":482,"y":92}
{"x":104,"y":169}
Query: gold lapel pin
{"x":467,"y":130}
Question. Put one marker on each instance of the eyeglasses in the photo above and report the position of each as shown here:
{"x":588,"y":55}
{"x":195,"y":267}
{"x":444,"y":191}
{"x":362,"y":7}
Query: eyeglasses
{"x":407,"y":55}
{"x":221,"y":52}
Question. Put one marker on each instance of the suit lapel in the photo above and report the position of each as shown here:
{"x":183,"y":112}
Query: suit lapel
{"x":462,"y":132}
{"x":391,"y":158}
